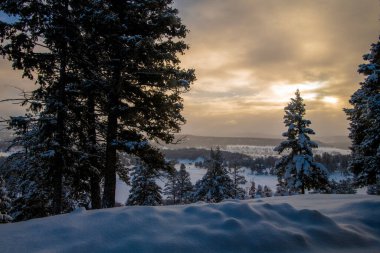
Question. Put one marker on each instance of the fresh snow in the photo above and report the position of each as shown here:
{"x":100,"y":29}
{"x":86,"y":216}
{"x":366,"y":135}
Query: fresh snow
{"x":309,"y":223}
{"x":265,"y":151}
{"x":196,"y":173}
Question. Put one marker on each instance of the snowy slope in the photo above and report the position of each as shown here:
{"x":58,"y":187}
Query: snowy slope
{"x":310,"y":223}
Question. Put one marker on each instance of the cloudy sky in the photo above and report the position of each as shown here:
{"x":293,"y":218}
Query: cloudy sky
{"x":251,"y":55}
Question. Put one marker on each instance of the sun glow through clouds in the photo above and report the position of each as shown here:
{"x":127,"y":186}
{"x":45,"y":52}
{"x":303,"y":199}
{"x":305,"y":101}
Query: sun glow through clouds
{"x":330,"y":100}
{"x":283,"y":92}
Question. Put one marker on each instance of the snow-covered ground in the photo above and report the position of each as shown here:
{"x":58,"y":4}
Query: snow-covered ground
{"x":265,"y":151}
{"x":301,"y":224}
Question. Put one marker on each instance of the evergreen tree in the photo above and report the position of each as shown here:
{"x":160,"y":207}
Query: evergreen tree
{"x":215,"y":185}
{"x":43,"y":42}
{"x":252,"y":190}
{"x":298,"y":170}
{"x":373,"y":189}
{"x":108,"y":70}
{"x":144,"y":191}
{"x":5,"y":203}
{"x":138,"y":43}
{"x":184,"y":185}
{"x":259,"y":191}
{"x":170,"y":188}
{"x":281,"y":190}
{"x":237,"y":180}
{"x":365,"y":122}
{"x":267,"y":191}
{"x":344,"y":186}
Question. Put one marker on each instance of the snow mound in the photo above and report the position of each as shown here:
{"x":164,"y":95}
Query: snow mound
{"x":311,"y":223}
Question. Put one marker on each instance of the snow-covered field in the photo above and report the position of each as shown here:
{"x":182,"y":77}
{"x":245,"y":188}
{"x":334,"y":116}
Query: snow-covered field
{"x":122,"y":190}
{"x":265,"y":151}
{"x":297,"y":224}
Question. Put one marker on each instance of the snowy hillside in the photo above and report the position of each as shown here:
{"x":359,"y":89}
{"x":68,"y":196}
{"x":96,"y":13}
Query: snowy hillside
{"x":310,"y":223}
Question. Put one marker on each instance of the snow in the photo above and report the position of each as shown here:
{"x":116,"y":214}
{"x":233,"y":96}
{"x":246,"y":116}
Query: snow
{"x":309,"y":223}
{"x":265,"y":151}
{"x":196,"y":173}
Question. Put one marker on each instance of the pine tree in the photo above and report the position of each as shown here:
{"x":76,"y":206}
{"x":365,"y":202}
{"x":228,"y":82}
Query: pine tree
{"x":252,"y":190}
{"x":281,"y":190}
{"x":43,"y":42}
{"x":298,"y":170}
{"x":144,"y":191}
{"x":365,"y":122}
{"x":109,"y":70}
{"x":170,"y":188}
{"x":372,"y":189}
{"x":216,"y":185}
{"x":184,"y":185}
{"x":141,"y":82}
{"x":259,"y":192}
{"x":5,"y":203}
{"x":237,"y":180}
{"x":344,"y":186}
{"x":267,"y":192}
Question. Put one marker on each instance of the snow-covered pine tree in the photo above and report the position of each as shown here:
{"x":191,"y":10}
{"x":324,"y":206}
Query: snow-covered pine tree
{"x":215,"y":185}
{"x":365,"y":122}
{"x":298,"y":170}
{"x":345,"y":186}
{"x":252,"y":190}
{"x":170,"y":188}
{"x":267,"y":191}
{"x":237,"y":180}
{"x":259,"y":192}
{"x":5,"y":203}
{"x":281,"y":190}
{"x":144,"y":191}
{"x":373,"y":189}
{"x":184,"y":186}
{"x":139,"y":43}
{"x":43,"y":41}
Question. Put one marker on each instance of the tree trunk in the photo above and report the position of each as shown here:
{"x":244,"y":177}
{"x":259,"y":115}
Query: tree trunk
{"x":110,"y":167}
{"x":59,"y":158}
{"x":95,"y":177}
{"x":111,"y":157}
{"x":59,"y":161}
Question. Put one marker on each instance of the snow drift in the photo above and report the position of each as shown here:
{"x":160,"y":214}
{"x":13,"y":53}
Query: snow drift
{"x":310,"y":223}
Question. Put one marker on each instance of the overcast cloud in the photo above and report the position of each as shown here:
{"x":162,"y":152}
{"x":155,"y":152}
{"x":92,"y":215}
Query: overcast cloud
{"x":251,"y":55}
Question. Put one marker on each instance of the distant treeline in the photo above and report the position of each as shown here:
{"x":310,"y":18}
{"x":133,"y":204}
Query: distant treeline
{"x":260,"y":165}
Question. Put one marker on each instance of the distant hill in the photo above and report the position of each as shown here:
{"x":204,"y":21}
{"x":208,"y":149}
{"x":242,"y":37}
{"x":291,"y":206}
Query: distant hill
{"x":193,"y":141}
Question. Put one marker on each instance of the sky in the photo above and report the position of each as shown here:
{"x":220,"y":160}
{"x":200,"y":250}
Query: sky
{"x":250,"y":56}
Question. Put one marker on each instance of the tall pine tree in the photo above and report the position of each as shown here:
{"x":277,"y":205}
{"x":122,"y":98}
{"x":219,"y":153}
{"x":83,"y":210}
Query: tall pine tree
{"x":144,"y":191}
{"x":365,"y":122}
{"x":183,"y":185}
{"x":237,"y":180}
{"x":43,"y":42}
{"x":298,"y":170}
{"x":138,"y":43}
{"x":170,"y":189}
{"x":216,"y":185}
